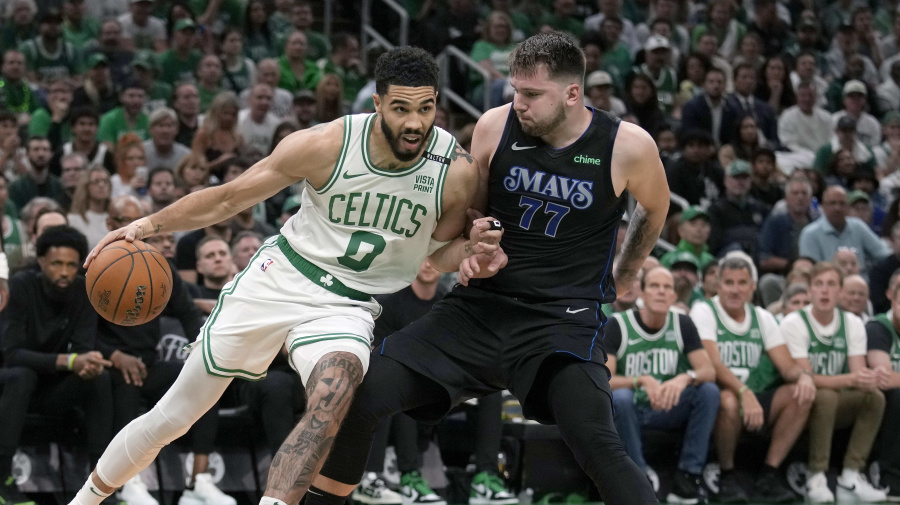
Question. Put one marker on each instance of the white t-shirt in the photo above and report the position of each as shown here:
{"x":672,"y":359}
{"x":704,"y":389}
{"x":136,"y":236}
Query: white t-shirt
{"x":258,"y":135}
{"x":94,"y":228}
{"x":705,"y":321}
{"x":797,"y":336}
{"x":143,"y":37}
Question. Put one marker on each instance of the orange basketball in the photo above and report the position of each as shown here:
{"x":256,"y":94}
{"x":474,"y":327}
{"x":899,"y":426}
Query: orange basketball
{"x":129,"y":283}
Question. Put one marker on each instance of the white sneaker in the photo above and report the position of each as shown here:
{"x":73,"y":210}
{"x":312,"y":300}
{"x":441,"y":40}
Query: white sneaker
{"x":817,"y":490}
{"x":856,"y":488}
{"x":205,"y":493}
{"x":134,"y":492}
{"x":372,"y":490}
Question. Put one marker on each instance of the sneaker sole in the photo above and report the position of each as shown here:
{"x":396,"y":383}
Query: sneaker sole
{"x":845,"y":496}
{"x":369,"y":500}
{"x":488,"y":501}
{"x":187,"y":500}
{"x":407,"y":501}
{"x":674,"y":498}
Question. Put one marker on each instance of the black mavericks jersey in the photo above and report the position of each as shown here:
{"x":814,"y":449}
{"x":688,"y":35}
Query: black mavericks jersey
{"x":559,"y":211}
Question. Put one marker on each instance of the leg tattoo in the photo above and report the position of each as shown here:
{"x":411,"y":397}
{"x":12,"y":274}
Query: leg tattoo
{"x":329,"y":391}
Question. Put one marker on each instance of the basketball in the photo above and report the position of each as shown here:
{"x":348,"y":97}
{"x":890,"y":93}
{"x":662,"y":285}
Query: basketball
{"x":129,"y":283}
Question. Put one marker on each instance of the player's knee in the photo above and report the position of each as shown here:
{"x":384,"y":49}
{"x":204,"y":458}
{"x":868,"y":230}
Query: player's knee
{"x":333,"y":383}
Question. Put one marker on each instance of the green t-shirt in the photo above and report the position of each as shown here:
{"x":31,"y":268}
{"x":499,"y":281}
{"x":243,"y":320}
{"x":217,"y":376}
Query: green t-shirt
{"x":827,"y":353}
{"x":684,"y":246}
{"x":353,"y":81}
{"x":24,"y":189}
{"x":40,"y":125}
{"x":113,"y":126}
{"x":237,"y":80}
{"x":660,"y":355}
{"x":159,"y":95}
{"x":895,"y":342}
{"x":666,"y":86}
{"x":569,"y":25}
{"x":498,"y":56}
{"x":317,"y":46}
{"x":231,"y":13}
{"x":745,"y":354}
{"x":290,"y":82}
{"x":65,"y":62}
{"x":617,"y":62}
{"x":206,"y":97}
{"x":173,"y":69}
{"x":17,"y":97}
{"x":80,"y":36}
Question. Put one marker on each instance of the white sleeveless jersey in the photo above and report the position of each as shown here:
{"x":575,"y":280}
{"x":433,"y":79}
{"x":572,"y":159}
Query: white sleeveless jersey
{"x":369,"y":227}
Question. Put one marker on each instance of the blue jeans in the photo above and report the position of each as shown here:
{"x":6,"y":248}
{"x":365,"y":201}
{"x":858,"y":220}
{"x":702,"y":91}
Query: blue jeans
{"x":695,"y":414}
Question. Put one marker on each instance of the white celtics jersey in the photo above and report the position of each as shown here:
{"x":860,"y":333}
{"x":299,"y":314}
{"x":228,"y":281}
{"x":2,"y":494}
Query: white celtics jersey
{"x":368,"y":227}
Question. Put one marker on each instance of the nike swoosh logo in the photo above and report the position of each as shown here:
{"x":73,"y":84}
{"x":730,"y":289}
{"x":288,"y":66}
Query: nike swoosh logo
{"x":635,"y":341}
{"x":95,"y":492}
{"x":516,"y":147}
{"x":570,"y":311}
{"x":348,"y":176}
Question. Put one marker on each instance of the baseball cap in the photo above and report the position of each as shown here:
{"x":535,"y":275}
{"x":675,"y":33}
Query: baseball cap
{"x":145,"y":60}
{"x":891,"y":117}
{"x":598,"y":78}
{"x":97,"y":59}
{"x":655,"y":42}
{"x":304,"y":94}
{"x":738,"y":167}
{"x":846,"y":123}
{"x":693,"y":212}
{"x":854,"y":86}
{"x":291,"y":204}
{"x":184,"y":24}
{"x":681,"y":258}
{"x":857,"y":195}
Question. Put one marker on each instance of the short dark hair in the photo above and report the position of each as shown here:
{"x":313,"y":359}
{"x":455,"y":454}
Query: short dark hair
{"x":61,"y":236}
{"x":7,"y":116}
{"x":762,"y":152}
{"x":743,"y":66}
{"x":717,"y":70}
{"x":559,"y":53}
{"x":405,"y":66}
{"x":158,"y":170}
{"x":207,"y":239}
{"x":81,"y":112}
{"x":35,"y":138}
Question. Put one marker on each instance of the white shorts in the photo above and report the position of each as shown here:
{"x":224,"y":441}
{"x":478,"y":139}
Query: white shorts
{"x":271,"y":305}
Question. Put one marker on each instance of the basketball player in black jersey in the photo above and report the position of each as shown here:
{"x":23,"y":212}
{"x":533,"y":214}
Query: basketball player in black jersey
{"x":558,"y":173}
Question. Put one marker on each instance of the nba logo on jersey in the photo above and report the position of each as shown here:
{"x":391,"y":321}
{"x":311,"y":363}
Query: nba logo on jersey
{"x":266,"y":263}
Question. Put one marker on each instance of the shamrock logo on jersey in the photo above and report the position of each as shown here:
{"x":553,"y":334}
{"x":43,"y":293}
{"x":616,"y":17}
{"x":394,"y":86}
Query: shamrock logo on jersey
{"x":327,"y":280}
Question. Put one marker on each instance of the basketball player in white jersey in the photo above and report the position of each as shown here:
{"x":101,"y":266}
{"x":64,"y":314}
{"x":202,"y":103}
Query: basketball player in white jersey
{"x":383,"y":191}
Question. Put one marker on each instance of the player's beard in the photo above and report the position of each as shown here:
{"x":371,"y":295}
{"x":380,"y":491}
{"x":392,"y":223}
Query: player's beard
{"x":539,"y":129}
{"x":394,"y":141}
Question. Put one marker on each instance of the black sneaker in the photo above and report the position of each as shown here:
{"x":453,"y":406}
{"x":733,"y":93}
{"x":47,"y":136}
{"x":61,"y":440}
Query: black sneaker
{"x":10,"y":494}
{"x":730,"y":490}
{"x":687,"y":489}
{"x":771,"y":488}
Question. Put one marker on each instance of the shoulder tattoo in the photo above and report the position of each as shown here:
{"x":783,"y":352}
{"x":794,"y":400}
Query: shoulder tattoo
{"x":459,"y":152}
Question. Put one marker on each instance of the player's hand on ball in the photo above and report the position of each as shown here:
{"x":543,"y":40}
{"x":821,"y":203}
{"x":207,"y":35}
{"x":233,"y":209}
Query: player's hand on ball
{"x":130,"y":233}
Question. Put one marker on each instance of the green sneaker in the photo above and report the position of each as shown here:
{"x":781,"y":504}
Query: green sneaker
{"x":488,"y":489}
{"x":10,"y":494}
{"x":415,"y":491}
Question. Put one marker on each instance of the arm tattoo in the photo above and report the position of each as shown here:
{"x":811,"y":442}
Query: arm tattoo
{"x":158,"y":227}
{"x":459,"y":152}
{"x":329,"y":391}
{"x":639,"y":241}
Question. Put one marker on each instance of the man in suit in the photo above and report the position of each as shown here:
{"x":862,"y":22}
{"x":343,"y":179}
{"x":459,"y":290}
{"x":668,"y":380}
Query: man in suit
{"x":706,"y":111}
{"x":743,"y":101}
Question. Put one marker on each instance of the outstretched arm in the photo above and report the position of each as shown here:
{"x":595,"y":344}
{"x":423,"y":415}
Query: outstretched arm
{"x":636,"y":167}
{"x":318,"y":146}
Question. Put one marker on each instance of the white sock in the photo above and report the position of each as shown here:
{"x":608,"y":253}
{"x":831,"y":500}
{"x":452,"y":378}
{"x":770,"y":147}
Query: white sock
{"x":268,"y":500}
{"x":89,"y":494}
{"x":849,"y":475}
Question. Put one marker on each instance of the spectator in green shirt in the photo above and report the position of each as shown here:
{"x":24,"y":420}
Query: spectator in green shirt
{"x":158,"y":94}
{"x":302,"y":20}
{"x":209,"y":80}
{"x":179,"y":63}
{"x":15,"y":94}
{"x":563,"y":18}
{"x":492,"y":52}
{"x":53,"y":122}
{"x":261,"y":38}
{"x":297,"y":72}
{"x":694,"y":230}
{"x":49,"y":55}
{"x":130,"y":117}
{"x":77,"y":29}
{"x":38,"y":181}
{"x":344,"y":62}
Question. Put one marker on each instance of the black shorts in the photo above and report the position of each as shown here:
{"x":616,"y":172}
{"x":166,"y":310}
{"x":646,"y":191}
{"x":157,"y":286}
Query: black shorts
{"x":474,"y":343}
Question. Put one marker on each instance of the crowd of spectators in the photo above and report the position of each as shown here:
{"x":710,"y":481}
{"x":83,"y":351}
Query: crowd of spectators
{"x":777,"y":121}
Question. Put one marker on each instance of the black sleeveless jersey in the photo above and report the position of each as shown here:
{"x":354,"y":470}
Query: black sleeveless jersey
{"x":560,"y":214}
